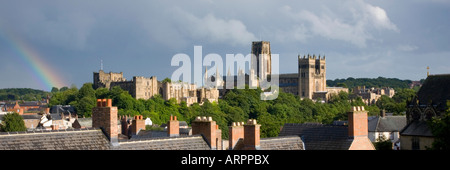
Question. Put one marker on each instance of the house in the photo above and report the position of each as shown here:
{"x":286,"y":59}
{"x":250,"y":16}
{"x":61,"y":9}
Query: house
{"x":316,"y":136}
{"x":247,"y":137}
{"x":387,"y":127}
{"x":430,"y":101}
{"x":105,"y":135}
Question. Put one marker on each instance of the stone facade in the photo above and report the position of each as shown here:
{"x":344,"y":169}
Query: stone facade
{"x":310,"y":81}
{"x":371,"y":95}
{"x":312,"y":75}
{"x":261,"y":49}
{"x":145,"y":88}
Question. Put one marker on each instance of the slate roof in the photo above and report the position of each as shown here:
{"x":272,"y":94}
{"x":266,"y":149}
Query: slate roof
{"x":387,"y":124}
{"x":85,"y":122}
{"x":281,"y":143}
{"x":435,"y":89}
{"x":417,"y":128}
{"x":317,"y":136}
{"x":81,"y":139}
{"x":194,"y":142}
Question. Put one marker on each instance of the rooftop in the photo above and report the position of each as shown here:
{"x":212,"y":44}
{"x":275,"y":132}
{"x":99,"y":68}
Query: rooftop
{"x":317,"y":136}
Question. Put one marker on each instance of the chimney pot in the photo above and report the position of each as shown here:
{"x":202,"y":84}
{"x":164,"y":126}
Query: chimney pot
{"x":104,"y":103}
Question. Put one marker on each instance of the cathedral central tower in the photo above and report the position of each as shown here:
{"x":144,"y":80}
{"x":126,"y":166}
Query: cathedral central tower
{"x":261,"y":49}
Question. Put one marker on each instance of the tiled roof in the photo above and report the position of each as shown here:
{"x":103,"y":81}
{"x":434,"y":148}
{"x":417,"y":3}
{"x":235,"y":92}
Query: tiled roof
{"x":282,"y":143}
{"x":317,"y":136}
{"x":195,"y":142}
{"x":387,"y":124}
{"x":86,"y":139}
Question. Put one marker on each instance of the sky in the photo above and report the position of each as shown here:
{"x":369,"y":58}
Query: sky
{"x":61,"y":43}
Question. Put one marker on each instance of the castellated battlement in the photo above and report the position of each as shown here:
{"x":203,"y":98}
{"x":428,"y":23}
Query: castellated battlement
{"x":311,"y":57}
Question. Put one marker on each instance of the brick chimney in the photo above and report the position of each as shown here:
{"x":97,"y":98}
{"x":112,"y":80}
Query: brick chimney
{"x":55,"y":127}
{"x":125,"y":125}
{"x":208,"y":128}
{"x":357,"y":122}
{"x":137,"y":125}
{"x":173,"y":127}
{"x":251,"y":135}
{"x":236,"y":132}
{"x":104,"y":116}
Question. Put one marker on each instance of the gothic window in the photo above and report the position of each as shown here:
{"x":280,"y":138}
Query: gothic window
{"x":416,"y":115}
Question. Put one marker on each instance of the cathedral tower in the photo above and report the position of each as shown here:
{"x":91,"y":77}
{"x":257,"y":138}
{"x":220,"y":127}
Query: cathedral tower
{"x":261,"y":49}
{"x":311,"y":75}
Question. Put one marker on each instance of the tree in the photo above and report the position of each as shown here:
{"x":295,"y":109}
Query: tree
{"x":84,"y":106}
{"x":440,"y":127}
{"x":13,"y":122}
{"x":383,"y":144}
{"x":54,"y":90}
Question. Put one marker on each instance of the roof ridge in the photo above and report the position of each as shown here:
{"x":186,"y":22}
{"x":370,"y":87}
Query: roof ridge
{"x":41,"y":131}
{"x":158,"y":139}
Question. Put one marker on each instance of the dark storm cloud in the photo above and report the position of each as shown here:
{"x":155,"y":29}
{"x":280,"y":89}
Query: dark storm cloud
{"x":360,"y":38}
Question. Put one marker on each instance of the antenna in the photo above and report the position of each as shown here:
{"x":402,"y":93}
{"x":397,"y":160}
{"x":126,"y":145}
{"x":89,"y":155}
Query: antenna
{"x":101,"y":64}
{"x":428,"y":71}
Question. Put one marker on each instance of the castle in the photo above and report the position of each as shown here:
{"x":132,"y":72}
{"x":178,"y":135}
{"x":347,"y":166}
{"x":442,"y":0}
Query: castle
{"x":145,"y":88}
{"x":309,"y":82}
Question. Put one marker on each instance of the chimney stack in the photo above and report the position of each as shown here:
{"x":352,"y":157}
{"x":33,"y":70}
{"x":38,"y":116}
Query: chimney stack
{"x":173,"y":127}
{"x":125,"y":125}
{"x":207,"y":127}
{"x":357,"y":122}
{"x":236,"y":132}
{"x":382,"y":113}
{"x":104,"y":116}
{"x":137,"y":125}
{"x":55,"y":127}
{"x":251,"y":135}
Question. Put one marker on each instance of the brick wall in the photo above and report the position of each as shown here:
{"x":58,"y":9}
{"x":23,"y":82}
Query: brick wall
{"x":207,"y":127}
{"x":137,"y":125}
{"x":357,"y":122}
{"x":251,"y":135}
{"x":173,"y":127}
{"x":236,"y":132}
{"x":104,"y":116}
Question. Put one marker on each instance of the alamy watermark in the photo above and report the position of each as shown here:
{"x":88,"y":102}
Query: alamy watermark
{"x":241,"y":61}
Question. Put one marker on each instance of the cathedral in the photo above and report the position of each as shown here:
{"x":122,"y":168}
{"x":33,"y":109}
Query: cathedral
{"x":310,"y":80}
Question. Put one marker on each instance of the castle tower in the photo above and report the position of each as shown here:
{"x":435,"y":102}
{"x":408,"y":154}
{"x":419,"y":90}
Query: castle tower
{"x":261,"y":49}
{"x":311,"y":75}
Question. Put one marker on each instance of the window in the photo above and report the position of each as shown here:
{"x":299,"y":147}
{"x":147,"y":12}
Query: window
{"x":415,"y":143}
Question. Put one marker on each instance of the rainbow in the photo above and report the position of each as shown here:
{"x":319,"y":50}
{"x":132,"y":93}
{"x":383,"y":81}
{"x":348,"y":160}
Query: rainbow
{"x":35,"y":65}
